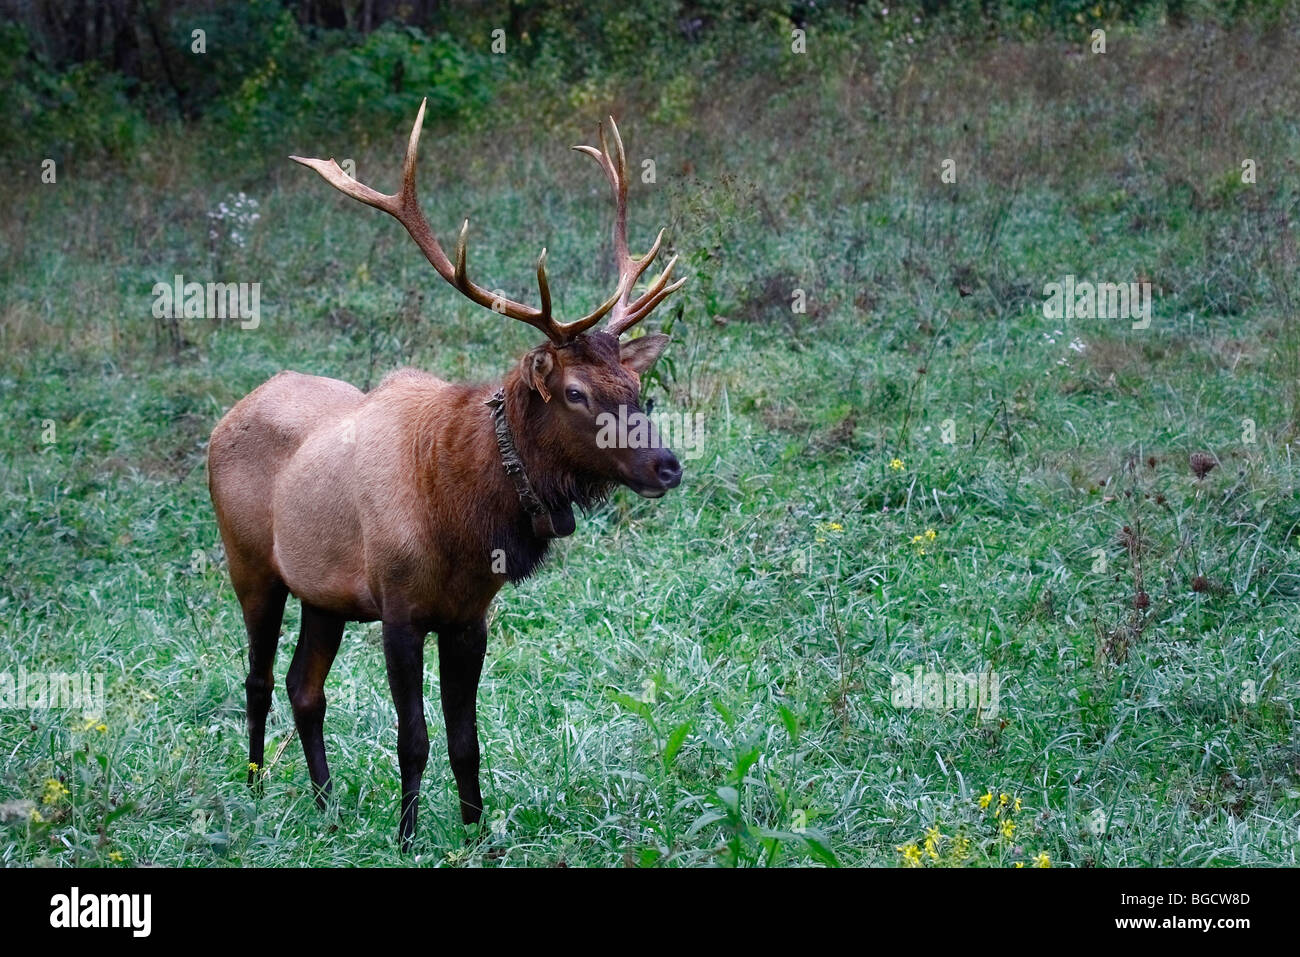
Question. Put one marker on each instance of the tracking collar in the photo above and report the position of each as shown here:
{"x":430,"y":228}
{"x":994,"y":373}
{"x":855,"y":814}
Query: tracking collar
{"x":544,"y":521}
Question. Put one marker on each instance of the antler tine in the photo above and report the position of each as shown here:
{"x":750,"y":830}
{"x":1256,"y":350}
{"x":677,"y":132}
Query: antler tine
{"x":644,"y":262}
{"x":639,"y":312}
{"x":626,"y":313}
{"x":408,"y":161}
{"x":543,"y":285}
{"x":622,"y":156}
{"x":405,"y":208}
{"x":658,"y":291}
{"x":571,"y":329}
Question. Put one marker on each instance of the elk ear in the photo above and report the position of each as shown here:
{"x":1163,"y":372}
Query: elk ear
{"x":535,"y":367}
{"x":639,"y":354}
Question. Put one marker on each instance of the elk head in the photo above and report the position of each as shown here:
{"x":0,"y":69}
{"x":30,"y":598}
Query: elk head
{"x":583,"y":401}
{"x":573,"y":401}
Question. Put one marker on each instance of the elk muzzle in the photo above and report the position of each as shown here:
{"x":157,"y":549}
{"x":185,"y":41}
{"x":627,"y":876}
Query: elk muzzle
{"x":649,"y":467}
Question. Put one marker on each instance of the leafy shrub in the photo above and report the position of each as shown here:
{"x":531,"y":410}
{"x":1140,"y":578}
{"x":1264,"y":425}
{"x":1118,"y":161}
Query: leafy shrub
{"x":352,"y":88}
{"x":82,"y":110}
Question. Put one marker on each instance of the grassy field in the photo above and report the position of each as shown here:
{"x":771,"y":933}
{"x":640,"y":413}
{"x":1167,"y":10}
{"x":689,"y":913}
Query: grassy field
{"x":920,"y":470}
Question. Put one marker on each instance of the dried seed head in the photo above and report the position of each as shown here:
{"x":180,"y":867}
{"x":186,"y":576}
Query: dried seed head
{"x":1201,"y":463}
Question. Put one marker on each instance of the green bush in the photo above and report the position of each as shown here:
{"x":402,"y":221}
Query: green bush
{"x":270,"y":75}
{"x":348,"y":89}
{"x":276,"y":80}
{"x":84,"y":110}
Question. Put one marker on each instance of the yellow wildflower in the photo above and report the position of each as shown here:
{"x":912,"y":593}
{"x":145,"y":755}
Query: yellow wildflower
{"x":960,"y":847}
{"x":932,"y":838}
{"x":115,"y":856}
{"x":1042,"y":860}
{"x":911,"y":855}
{"x":1016,"y":806}
{"x":920,"y":541}
{"x":822,"y":528}
{"x":896,"y":464}
{"x":54,"y":792}
{"x":986,"y":800}
{"x":1008,"y":828}
{"x":35,"y":816}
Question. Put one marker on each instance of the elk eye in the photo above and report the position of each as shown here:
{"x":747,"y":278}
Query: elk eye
{"x":575,"y":396}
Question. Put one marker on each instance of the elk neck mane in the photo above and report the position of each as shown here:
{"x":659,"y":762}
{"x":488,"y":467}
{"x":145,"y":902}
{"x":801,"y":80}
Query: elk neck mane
{"x":503,"y":524}
{"x":557,"y":483}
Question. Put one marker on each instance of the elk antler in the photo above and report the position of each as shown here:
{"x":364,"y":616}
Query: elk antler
{"x":404,"y":207}
{"x":627,"y":313}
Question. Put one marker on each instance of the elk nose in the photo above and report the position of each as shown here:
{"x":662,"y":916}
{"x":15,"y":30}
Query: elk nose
{"x":669,"y":470}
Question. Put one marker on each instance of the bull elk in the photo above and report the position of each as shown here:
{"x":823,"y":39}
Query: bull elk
{"x":414,"y":504}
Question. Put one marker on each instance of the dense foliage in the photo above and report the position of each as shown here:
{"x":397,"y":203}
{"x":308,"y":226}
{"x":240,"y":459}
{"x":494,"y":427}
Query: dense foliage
{"x":919,"y":473}
{"x":101,"y":85}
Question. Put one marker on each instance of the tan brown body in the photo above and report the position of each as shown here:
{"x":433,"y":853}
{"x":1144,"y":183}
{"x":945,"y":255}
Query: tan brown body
{"x":366,"y":506}
{"x":414,"y":504}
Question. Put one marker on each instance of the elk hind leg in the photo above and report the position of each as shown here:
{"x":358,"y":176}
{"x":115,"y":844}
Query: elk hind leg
{"x":263,"y":608}
{"x":317,"y":646}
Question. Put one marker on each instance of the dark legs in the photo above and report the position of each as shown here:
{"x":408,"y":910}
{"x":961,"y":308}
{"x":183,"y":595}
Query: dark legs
{"x":460,"y":662}
{"x":263,"y":611}
{"x":404,"y":655}
{"x":317,"y":646}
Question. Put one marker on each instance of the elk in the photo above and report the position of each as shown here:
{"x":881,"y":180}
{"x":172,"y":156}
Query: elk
{"x":414,"y":504}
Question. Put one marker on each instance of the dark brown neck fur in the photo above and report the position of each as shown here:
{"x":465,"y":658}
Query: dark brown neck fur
{"x":558,"y":487}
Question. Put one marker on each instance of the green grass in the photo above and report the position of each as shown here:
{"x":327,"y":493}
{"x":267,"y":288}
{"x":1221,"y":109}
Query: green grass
{"x":693,"y":680}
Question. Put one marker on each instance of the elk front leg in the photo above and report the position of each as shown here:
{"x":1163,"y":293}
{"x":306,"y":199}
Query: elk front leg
{"x":404,"y":655}
{"x":460,"y":663}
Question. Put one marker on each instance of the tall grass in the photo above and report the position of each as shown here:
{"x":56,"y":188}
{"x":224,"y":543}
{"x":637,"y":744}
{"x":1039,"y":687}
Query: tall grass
{"x":710,"y":678}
